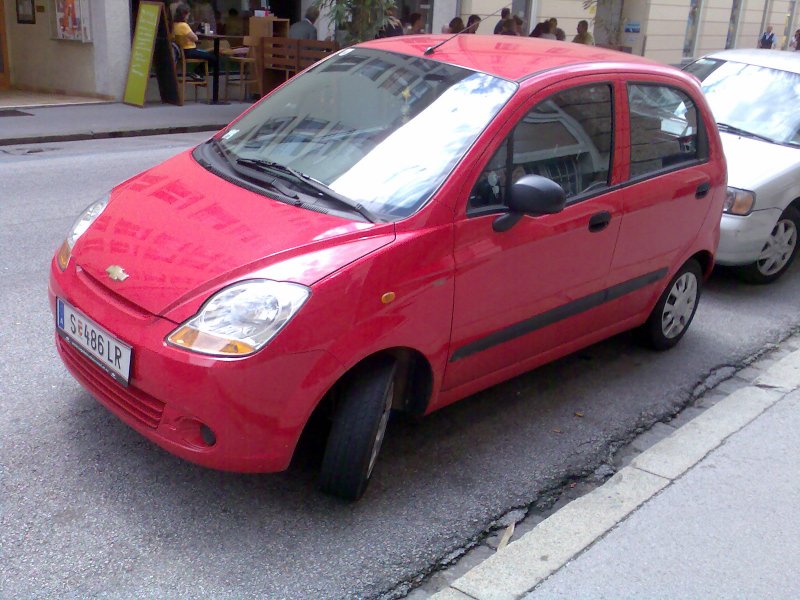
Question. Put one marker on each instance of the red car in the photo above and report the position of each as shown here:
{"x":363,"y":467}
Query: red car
{"x":398,"y":227}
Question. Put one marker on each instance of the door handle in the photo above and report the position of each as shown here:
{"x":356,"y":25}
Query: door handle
{"x":702,"y":190}
{"x":599,"y":221}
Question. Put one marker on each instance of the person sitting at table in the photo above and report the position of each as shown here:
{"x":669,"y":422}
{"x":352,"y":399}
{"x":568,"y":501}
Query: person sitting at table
{"x":305,"y":30}
{"x":187,"y":40}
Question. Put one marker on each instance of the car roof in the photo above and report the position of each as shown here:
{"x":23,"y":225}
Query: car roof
{"x":509,"y":57}
{"x":774,"y":59}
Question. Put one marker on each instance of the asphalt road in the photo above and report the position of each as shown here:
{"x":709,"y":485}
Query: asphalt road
{"x":89,"y":508}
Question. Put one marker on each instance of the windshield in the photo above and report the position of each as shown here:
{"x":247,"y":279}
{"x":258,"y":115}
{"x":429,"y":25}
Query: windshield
{"x":381,"y":129}
{"x":753,"y":99}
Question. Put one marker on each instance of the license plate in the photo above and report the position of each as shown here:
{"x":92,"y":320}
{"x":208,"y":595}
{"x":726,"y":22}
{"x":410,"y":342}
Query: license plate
{"x":102,"y":348}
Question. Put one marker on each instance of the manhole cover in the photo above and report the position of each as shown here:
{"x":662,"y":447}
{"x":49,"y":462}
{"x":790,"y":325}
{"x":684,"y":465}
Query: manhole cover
{"x":12,"y":112}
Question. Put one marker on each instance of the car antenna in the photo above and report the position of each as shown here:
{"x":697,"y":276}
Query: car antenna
{"x":431,"y":49}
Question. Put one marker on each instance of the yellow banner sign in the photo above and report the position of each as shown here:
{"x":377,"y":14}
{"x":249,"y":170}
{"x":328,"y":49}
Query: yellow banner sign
{"x":144,"y":39}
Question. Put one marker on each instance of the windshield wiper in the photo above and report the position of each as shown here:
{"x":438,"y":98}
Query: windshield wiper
{"x":272,"y":182}
{"x":738,"y":131}
{"x":318,"y":186}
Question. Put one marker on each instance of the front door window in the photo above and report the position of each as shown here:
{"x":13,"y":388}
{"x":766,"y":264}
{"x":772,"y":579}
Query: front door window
{"x":566,"y":138}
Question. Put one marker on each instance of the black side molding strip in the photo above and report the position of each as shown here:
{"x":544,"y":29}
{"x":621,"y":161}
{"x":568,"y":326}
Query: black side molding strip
{"x":557,"y":314}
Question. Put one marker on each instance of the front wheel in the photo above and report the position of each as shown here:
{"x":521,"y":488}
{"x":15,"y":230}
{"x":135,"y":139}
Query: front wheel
{"x":778,"y":252}
{"x":674,"y":310}
{"x":358,"y":429}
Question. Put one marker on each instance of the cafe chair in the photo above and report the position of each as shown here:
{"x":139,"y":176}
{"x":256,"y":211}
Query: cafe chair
{"x":184,"y":78}
{"x":243,"y":58}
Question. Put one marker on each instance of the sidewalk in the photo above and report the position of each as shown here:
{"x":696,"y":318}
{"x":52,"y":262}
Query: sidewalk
{"x":96,"y":121}
{"x":710,"y":511}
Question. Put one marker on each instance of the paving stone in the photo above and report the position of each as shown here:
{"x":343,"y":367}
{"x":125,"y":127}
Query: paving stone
{"x":749,"y":373}
{"x":451,"y":594}
{"x":784,"y":374}
{"x":731,"y":385}
{"x":471,"y":558}
{"x":528,"y":524}
{"x":710,"y":399}
{"x":686,"y":415}
{"x":652,"y":436}
{"x":624,"y":456}
{"x":418,"y":594}
{"x":675,"y":454}
{"x":514,"y":570}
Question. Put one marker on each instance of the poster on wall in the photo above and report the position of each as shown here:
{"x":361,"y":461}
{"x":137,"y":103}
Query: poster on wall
{"x":25,"y":12}
{"x":72,"y":20}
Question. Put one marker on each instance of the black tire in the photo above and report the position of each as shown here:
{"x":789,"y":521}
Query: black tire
{"x":675,"y":309}
{"x":359,"y":424}
{"x":780,"y":252}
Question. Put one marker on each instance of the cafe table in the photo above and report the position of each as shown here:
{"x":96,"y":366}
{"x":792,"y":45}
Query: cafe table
{"x":216,"y":38}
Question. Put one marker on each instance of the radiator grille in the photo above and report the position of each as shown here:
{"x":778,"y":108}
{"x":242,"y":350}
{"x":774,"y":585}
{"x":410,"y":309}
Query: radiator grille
{"x":140,"y":406}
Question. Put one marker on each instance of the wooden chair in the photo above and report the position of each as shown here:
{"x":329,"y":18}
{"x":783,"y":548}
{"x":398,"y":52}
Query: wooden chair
{"x":311,"y":51}
{"x":246,"y":65}
{"x":184,"y":79}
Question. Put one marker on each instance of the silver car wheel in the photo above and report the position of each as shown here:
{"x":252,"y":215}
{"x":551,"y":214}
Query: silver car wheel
{"x":679,"y":306}
{"x":778,"y":250}
{"x":379,"y":435}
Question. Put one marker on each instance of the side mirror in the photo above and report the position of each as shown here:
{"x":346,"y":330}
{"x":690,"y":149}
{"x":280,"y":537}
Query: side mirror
{"x":531,"y":195}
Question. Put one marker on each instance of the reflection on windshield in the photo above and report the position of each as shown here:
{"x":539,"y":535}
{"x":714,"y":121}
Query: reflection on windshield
{"x":756,"y":99}
{"x":382,"y":129}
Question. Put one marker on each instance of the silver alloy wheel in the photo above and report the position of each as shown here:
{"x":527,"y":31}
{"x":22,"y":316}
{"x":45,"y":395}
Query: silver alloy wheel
{"x":779,"y":248}
{"x":376,"y":446}
{"x":679,"y":307}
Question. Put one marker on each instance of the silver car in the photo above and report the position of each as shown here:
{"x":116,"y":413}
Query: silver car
{"x":755,"y":97}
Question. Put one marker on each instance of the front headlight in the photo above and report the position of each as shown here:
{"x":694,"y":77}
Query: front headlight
{"x":80,"y":226}
{"x":738,"y":202}
{"x":241,"y":318}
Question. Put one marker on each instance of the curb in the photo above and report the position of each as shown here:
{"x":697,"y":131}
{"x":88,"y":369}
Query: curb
{"x":518,"y":568}
{"x":102,"y":135}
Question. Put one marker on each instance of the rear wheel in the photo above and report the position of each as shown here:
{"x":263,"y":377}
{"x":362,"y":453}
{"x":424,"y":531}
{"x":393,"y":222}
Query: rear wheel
{"x":674,"y":310}
{"x":779,"y":250}
{"x":358,"y":429}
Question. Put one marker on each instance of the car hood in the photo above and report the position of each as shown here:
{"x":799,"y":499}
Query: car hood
{"x":181,"y":233}
{"x":752,"y":163}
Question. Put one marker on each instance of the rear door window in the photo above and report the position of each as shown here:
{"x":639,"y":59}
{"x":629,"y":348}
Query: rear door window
{"x":664,"y":129}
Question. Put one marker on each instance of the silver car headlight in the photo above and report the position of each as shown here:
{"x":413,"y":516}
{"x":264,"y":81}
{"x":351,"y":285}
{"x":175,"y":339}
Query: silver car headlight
{"x":82,"y":223}
{"x":738,"y":202}
{"x":241,"y":318}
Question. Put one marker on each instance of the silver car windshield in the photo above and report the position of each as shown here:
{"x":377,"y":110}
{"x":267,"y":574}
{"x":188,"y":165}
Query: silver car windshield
{"x":758,"y":100}
{"x":380,"y":128}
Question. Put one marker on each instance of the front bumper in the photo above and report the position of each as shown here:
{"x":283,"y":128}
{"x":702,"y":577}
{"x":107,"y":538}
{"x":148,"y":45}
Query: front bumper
{"x":743,"y":238}
{"x":255,"y":406}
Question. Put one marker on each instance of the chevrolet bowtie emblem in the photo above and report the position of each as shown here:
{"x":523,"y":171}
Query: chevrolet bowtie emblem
{"x":117,"y":273}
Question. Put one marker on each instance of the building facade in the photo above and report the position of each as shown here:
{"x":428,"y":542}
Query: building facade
{"x":82,"y":47}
